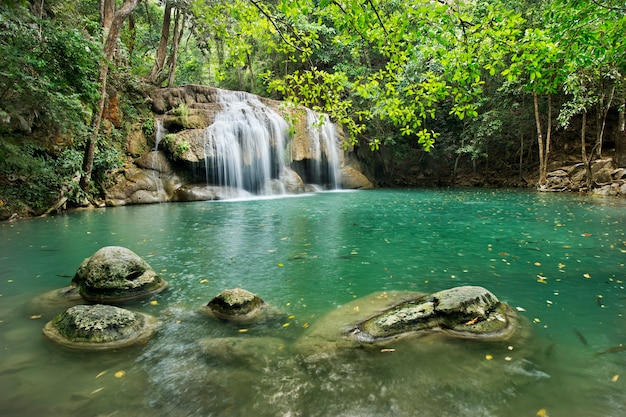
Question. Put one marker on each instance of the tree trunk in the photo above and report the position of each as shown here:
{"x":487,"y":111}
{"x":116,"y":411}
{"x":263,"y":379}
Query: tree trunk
{"x":586,"y":159}
{"x":620,"y":137}
{"x":179,"y":29}
{"x":603,"y":112}
{"x":542,"y":168}
{"x":161,"y":55}
{"x":546,"y":155}
{"x":110,"y":41}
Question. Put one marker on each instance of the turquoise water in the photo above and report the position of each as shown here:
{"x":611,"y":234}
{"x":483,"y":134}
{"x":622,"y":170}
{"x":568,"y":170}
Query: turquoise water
{"x":558,"y":259}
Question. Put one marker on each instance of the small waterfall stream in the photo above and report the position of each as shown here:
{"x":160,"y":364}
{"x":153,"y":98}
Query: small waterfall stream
{"x":245,"y":147}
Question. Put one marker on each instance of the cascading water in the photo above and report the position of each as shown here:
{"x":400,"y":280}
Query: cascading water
{"x":159,"y":133}
{"x":323,"y":139}
{"x":245,"y":147}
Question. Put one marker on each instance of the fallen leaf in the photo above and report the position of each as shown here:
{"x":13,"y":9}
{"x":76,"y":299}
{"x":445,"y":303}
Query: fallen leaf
{"x":537,"y":263}
{"x":615,"y":378}
{"x":542,"y":413}
{"x":202,"y":281}
{"x":280,"y":264}
{"x":561,"y":265}
{"x":489,"y":357}
{"x":566,"y":247}
{"x":97,"y":390}
{"x":119,"y":374}
{"x":541,"y":279}
{"x":472,"y":321}
{"x":100,"y":374}
{"x":286,"y":325}
{"x":586,"y":275}
{"x":387,"y":350}
{"x":586,"y":234}
{"x":154,"y":302}
{"x":520,"y":308}
{"x":36,"y":316}
{"x":243,"y":330}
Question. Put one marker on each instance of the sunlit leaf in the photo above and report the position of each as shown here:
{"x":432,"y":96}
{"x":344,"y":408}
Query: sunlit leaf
{"x":119,"y":374}
{"x":35,"y":316}
{"x":489,"y":357}
{"x":542,"y":413}
{"x":615,"y":378}
{"x":100,"y":374}
{"x":586,"y":275}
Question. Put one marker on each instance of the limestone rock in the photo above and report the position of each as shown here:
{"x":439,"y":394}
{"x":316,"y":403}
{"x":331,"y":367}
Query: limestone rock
{"x":467,"y":311}
{"x":115,"y":273}
{"x":354,"y":179}
{"x":99,"y":327}
{"x":237,"y":305}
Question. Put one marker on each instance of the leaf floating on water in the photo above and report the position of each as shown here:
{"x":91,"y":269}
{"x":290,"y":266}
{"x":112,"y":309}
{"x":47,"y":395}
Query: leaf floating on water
{"x":100,"y":374}
{"x":561,"y":265}
{"x":280,"y":264}
{"x":488,"y":357}
{"x":243,"y":330}
{"x":291,"y":317}
{"x":204,"y":280}
{"x":387,"y":350}
{"x":283,"y":238}
{"x":119,"y":374}
{"x":520,"y":308}
{"x":566,"y":247}
{"x":536,"y":320}
{"x":586,"y":275}
{"x":615,"y":378}
{"x":537,"y":263}
{"x":586,"y":234}
{"x":35,"y":316}
{"x":286,"y":324}
{"x":154,"y":302}
{"x":541,"y":280}
{"x":96,"y":390}
{"x":305,"y":325}
{"x":542,"y":413}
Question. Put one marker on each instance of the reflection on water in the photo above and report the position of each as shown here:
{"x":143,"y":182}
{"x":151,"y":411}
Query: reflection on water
{"x":559,"y":260}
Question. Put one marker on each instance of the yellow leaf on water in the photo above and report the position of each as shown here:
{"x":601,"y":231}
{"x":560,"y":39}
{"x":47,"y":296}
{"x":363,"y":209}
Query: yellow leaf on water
{"x":286,"y":325}
{"x":154,"y":302}
{"x":119,"y":374}
{"x":36,"y":316}
{"x":489,"y":357}
{"x":291,"y":317}
{"x":561,"y":265}
{"x":305,"y":325}
{"x":283,"y":238}
{"x":280,"y":264}
{"x":542,"y":413}
{"x":566,"y":247}
{"x":387,"y":350}
{"x":615,"y":378}
{"x":586,"y":275}
{"x":537,"y":263}
{"x":243,"y":330}
{"x":100,"y":374}
{"x":202,"y":281}
{"x":97,"y":390}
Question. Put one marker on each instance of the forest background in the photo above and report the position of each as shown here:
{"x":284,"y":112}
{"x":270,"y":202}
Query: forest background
{"x":428,"y":92}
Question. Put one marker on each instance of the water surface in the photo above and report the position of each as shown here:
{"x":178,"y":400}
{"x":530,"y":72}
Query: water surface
{"x":558,"y":259}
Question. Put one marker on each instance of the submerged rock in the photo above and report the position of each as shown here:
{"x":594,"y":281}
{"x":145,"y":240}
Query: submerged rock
{"x":237,"y":305}
{"x":468,"y":311}
{"x":115,"y":273}
{"x":99,"y":327}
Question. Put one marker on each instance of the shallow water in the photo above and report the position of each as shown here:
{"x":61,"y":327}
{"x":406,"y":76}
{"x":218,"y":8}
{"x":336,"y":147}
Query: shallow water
{"x":322,"y":260}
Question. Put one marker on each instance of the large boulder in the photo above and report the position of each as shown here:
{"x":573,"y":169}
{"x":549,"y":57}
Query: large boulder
{"x":99,"y":327}
{"x":468,"y":311}
{"x":115,"y":273}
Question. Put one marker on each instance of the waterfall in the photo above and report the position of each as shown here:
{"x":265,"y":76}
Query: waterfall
{"x":324,"y":147}
{"x":159,"y":133}
{"x":245,"y":145}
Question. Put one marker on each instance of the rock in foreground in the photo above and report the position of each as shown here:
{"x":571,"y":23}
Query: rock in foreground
{"x":236,"y":305}
{"x":114,"y":274}
{"x":468,"y":311}
{"x":99,"y":327}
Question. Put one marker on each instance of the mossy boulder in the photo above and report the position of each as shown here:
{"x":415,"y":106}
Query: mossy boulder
{"x":114,"y":274}
{"x":99,"y":327}
{"x":467,"y":311}
{"x":237,"y":305}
